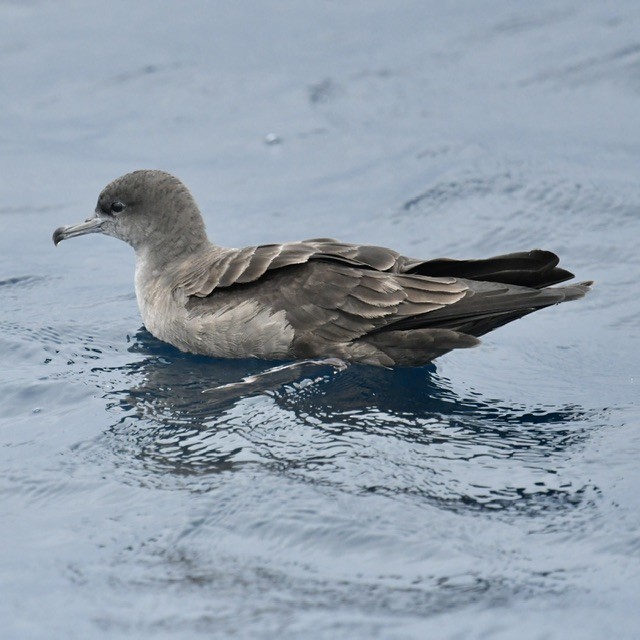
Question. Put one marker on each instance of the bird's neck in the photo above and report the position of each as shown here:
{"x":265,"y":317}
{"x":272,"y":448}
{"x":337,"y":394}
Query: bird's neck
{"x":158,"y":257}
{"x":159,"y":271}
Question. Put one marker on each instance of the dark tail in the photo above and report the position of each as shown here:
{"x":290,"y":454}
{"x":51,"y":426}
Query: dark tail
{"x":489,"y":305}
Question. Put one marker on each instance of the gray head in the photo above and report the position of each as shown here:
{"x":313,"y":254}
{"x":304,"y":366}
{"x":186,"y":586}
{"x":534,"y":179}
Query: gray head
{"x":148,"y":209}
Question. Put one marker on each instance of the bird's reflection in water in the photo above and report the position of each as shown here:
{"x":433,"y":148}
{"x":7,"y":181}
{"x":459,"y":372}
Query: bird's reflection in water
{"x":364,"y":429}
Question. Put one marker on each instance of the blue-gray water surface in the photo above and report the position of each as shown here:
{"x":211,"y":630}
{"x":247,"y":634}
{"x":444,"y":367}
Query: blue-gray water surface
{"x":494,"y":494}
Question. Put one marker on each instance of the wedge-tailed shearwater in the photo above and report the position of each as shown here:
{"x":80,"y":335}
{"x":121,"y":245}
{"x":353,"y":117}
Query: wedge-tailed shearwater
{"x":309,"y":299}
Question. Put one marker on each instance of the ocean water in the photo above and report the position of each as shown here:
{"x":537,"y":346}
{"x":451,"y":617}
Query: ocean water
{"x":493,"y":494}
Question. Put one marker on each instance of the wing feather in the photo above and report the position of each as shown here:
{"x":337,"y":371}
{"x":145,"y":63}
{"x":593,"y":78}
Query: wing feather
{"x":236,"y":266}
{"x":260,"y":262}
{"x":227,"y":267}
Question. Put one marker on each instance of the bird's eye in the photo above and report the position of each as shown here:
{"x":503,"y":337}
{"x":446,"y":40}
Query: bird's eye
{"x":117,"y":207}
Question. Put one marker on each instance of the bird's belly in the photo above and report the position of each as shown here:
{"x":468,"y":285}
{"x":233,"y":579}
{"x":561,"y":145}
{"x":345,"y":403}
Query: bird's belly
{"x":243,"y":330}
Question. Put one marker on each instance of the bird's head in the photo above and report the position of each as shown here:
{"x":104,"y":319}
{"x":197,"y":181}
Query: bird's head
{"x":148,"y":209}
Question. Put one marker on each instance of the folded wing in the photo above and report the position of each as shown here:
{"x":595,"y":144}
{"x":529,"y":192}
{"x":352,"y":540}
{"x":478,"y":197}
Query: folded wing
{"x":374,"y":305}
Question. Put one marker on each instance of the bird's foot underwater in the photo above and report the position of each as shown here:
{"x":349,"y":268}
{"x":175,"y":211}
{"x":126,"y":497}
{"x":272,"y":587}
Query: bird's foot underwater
{"x":273,"y":378}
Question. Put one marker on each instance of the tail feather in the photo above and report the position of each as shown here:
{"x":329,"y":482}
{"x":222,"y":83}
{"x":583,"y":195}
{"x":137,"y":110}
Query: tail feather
{"x":479,"y":326}
{"x":488,"y":306}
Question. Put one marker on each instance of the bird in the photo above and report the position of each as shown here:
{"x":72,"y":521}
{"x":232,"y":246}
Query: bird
{"x":357,"y":303}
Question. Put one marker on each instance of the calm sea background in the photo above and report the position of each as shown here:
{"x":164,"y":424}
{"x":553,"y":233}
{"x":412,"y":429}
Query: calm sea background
{"x":495,"y":494}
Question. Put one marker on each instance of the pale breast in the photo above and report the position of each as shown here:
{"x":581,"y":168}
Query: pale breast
{"x":243,"y":329}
